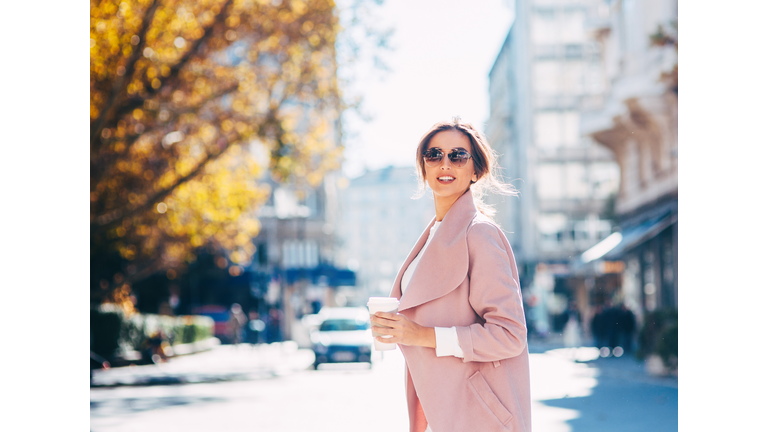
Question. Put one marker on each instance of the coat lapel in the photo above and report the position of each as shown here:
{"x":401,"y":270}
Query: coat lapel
{"x":396,"y":291}
{"x":445,"y":262}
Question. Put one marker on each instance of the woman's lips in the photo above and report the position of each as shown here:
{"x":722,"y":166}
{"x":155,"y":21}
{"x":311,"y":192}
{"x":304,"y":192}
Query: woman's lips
{"x":446,"y":179}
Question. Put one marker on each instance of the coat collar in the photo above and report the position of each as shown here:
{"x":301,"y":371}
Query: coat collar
{"x":445,"y":263}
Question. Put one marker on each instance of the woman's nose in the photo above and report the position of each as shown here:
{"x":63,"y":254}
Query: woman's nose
{"x":445,"y":163}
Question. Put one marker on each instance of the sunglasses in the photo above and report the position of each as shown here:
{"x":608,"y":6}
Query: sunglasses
{"x":458,"y":157}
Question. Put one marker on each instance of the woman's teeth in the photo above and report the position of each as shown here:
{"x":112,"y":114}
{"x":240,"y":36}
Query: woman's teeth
{"x":446,"y":178}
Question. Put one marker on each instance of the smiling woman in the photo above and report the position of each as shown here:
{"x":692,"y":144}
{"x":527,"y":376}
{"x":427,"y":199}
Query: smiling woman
{"x":448,"y":179}
{"x":472,"y":160}
{"x":460,"y":323}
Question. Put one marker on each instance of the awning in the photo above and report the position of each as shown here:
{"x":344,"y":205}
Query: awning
{"x":322,"y":273}
{"x":613,"y":246}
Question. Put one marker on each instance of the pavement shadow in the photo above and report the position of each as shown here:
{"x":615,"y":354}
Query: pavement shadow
{"x":178,"y":379}
{"x":129,"y":405}
{"x":624,"y":399}
{"x":541,"y":346}
{"x":345,"y":367}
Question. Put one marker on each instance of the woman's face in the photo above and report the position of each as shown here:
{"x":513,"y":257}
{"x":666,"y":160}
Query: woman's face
{"x":445,"y":180}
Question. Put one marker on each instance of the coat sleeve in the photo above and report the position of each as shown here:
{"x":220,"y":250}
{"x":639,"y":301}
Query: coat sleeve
{"x":494,"y":294}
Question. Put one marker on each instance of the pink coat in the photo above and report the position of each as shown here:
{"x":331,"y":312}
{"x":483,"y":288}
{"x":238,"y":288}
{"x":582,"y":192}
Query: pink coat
{"x":467,"y":278}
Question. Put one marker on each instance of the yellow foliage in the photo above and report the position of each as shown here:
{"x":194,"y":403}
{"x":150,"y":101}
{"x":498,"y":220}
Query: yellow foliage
{"x":175,"y":102}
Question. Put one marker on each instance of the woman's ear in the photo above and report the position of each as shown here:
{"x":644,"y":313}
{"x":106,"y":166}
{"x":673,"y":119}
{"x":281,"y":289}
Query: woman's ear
{"x":474,"y":178}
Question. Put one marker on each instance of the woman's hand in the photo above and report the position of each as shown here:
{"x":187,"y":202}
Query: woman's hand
{"x":402,"y":330}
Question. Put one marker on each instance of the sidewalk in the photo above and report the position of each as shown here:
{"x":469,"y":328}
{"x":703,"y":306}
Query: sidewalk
{"x":222,"y":363}
{"x":624,"y":368}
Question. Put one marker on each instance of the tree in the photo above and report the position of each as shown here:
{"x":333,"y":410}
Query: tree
{"x":185,"y":94}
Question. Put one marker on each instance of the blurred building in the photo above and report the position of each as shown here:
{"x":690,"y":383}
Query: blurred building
{"x":637,"y":121}
{"x":296,"y":247}
{"x":547,"y":73}
{"x":379,"y":224}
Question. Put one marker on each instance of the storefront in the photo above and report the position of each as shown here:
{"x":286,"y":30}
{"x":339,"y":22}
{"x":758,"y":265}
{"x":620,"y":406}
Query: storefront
{"x":643,"y":256}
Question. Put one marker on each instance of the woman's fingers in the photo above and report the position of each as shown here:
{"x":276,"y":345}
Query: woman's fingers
{"x":384,"y":330}
{"x":388,"y":316}
{"x":378,"y":320}
{"x":397,"y":328}
{"x":387,"y":321}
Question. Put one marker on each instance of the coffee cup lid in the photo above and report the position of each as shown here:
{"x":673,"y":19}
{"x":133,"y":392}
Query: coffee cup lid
{"x":372,"y":300}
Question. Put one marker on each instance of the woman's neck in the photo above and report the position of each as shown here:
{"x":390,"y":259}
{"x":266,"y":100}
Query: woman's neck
{"x":442,"y":205}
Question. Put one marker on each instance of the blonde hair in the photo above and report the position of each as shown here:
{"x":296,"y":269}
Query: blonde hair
{"x":483,"y":157}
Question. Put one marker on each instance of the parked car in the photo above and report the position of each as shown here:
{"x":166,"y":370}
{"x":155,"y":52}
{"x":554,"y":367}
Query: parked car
{"x":220,"y":315}
{"x":343,"y":336}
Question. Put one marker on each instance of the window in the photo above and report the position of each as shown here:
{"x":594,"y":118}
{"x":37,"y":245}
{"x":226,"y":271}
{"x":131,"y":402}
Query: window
{"x":572,"y":27}
{"x":555,"y":129}
{"x":546,"y":77}
{"x":544,"y":29}
{"x":545,"y":52}
{"x":310,"y":200}
{"x":572,"y":77}
{"x":547,"y":129}
{"x":591,"y":230}
{"x":593,"y":78}
{"x":576,"y":182}
{"x":551,"y":227}
{"x":632,"y":32}
{"x":581,"y":234}
{"x":573,"y":51}
{"x":570,"y":127}
{"x":605,"y":177}
{"x":550,"y":181}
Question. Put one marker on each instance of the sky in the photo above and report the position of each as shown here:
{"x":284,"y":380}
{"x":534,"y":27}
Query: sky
{"x":442,"y":53}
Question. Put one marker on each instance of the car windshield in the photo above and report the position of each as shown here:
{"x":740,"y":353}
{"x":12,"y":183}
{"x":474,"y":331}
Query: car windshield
{"x":344,"y":325}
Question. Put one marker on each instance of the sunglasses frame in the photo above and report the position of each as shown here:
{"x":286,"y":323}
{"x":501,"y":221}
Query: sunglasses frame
{"x":443,"y":155}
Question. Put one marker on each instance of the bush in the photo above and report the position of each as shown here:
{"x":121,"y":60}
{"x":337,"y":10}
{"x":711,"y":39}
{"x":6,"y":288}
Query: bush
{"x":175,"y":330}
{"x":105,"y":332}
{"x":193,"y":329}
{"x":659,"y":336}
{"x":112,"y":332}
{"x":666,"y":346}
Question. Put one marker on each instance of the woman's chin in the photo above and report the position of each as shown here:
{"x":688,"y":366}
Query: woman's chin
{"x":447,"y":189}
{"x":453,"y":194}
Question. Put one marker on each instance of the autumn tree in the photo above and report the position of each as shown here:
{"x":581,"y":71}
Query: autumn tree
{"x":184,"y":93}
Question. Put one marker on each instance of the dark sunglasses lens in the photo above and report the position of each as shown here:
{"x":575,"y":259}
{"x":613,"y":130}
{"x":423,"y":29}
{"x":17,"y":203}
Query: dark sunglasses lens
{"x":459,"y":158}
{"x":433,"y":156}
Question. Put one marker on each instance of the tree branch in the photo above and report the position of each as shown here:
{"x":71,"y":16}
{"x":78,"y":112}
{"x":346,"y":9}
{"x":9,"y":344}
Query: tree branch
{"x":111,"y":219}
{"x":178,"y":113}
{"x":176,"y":68}
{"x":108,"y":111}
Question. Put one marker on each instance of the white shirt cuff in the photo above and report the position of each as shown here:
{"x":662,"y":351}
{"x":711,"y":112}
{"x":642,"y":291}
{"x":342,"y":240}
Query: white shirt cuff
{"x":447,"y":342}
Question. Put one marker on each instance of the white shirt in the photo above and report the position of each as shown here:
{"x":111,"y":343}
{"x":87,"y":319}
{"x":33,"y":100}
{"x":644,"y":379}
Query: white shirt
{"x":446,"y":338}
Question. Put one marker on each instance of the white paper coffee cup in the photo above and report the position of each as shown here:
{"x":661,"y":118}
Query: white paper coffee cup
{"x":382,"y":304}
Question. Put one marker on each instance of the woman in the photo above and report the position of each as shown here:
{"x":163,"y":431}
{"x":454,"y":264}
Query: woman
{"x":460,"y":324}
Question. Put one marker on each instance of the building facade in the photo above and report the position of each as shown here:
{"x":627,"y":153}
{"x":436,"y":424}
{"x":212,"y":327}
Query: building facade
{"x":296,"y":248}
{"x":379,"y":223}
{"x":547,"y":73}
{"x":637,"y":121}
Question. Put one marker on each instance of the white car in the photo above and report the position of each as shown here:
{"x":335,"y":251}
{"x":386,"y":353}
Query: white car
{"x":342,"y":336}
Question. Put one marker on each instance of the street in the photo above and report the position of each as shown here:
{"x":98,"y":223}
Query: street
{"x":281,"y":395}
